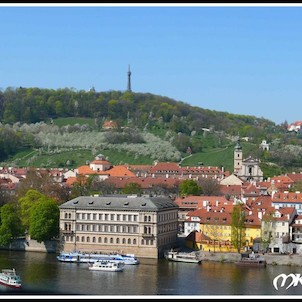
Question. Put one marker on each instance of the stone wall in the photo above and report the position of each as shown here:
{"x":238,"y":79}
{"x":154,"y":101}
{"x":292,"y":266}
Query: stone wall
{"x":30,"y":245}
{"x":271,"y":259}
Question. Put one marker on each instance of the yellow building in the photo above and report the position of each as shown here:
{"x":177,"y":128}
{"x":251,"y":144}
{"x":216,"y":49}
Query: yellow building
{"x":212,"y":230}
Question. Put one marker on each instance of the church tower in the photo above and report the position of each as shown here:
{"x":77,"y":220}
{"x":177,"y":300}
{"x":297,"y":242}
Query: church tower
{"x":129,"y":79}
{"x":237,"y":158}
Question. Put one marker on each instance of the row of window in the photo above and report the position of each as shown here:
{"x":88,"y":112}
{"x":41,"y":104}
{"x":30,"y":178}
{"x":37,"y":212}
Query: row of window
{"x":106,"y":217}
{"x":106,"y":240}
{"x":103,"y":228}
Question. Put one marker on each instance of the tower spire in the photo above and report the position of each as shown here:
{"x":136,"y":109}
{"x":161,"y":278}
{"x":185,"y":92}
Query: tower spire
{"x":129,"y":79}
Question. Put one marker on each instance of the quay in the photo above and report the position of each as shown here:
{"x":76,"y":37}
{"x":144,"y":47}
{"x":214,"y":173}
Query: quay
{"x":271,"y":259}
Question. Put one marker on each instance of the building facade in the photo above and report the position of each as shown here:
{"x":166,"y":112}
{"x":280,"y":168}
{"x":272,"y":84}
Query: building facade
{"x":142,"y":225}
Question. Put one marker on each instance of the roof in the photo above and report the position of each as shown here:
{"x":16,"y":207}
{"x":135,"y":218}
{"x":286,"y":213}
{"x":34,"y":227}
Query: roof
{"x":120,"y":202}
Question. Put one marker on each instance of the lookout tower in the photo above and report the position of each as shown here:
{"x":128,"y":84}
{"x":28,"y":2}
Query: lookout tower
{"x":129,"y":79}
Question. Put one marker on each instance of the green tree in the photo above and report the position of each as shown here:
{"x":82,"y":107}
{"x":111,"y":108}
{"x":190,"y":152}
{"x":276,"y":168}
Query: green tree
{"x":45,"y":220}
{"x":27,"y":203}
{"x":238,"y":227}
{"x":11,"y":226}
{"x":189,"y":187}
{"x":266,"y":230}
{"x":132,"y":188}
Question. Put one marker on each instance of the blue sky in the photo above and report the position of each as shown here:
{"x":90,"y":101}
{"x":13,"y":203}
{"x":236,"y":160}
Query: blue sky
{"x":242,"y":59}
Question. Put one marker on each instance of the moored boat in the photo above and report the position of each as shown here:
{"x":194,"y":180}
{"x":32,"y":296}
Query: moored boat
{"x":107,"y":265}
{"x":78,"y":257}
{"x":252,"y":260}
{"x":189,"y":257}
{"x":10,"y":278}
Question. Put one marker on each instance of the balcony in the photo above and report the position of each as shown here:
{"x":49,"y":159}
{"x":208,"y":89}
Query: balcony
{"x":68,"y":232}
{"x":148,"y":236}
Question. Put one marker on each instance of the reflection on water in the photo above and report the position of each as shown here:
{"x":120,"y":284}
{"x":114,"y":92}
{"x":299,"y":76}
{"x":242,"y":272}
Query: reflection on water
{"x":43,"y":274}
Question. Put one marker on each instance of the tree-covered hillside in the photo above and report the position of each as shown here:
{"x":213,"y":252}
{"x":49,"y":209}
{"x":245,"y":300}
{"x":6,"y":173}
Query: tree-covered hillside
{"x":32,"y":105}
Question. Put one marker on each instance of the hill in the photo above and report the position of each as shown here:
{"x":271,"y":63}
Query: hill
{"x":63,"y":128}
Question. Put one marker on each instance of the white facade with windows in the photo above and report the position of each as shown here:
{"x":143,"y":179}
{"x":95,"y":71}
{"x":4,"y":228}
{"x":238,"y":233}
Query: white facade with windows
{"x":142,"y":225}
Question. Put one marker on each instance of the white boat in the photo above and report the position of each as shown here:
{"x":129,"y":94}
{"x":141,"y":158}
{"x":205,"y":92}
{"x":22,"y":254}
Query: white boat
{"x":106,"y":265}
{"x":190,"y":257}
{"x":129,"y":259}
{"x":9,"y":278}
{"x":78,"y":257}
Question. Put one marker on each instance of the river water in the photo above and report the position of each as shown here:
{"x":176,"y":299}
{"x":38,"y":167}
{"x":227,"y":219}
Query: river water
{"x":43,"y":274}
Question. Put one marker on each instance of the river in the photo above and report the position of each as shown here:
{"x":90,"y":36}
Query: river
{"x":43,"y":274}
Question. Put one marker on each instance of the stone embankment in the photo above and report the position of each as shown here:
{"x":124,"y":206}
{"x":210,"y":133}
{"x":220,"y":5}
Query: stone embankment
{"x":271,"y":259}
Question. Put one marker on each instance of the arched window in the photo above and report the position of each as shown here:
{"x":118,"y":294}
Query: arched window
{"x":117,"y":240}
{"x":93,"y":239}
{"x":111,"y":240}
{"x":83,"y":239}
{"x":124,"y":241}
{"x":65,"y":215}
{"x":134,"y":241}
{"x":87,"y":239}
{"x":100,"y":240}
{"x":105,"y":240}
{"x":129,"y":241}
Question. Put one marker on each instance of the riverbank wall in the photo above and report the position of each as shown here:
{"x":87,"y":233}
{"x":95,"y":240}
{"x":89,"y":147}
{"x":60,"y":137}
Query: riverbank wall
{"x":51,"y":246}
{"x":31,"y":245}
{"x":271,"y":259}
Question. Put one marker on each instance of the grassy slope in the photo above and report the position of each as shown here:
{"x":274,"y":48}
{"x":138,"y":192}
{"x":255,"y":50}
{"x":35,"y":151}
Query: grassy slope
{"x":210,"y":156}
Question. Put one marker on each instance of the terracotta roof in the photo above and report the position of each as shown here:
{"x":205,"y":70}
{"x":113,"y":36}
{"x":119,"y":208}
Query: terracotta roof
{"x":290,"y":197}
